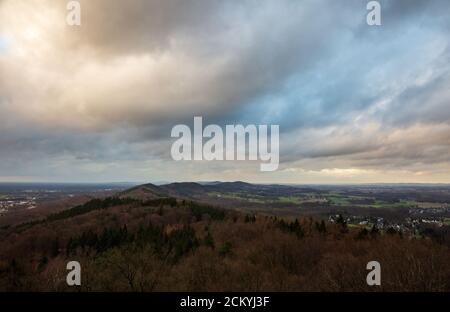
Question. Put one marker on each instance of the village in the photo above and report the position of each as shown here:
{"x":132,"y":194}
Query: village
{"x":412,"y":225}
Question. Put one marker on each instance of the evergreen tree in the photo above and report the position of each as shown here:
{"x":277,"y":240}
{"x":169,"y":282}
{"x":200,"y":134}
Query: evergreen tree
{"x":209,"y":240}
{"x":55,"y":248}
{"x":321,"y":227}
{"x":374,"y":231}
{"x":363,"y":233}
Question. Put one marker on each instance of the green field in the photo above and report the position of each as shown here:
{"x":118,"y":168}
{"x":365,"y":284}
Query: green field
{"x":333,"y":198}
{"x":290,"y":199}
{"x":239,"y":196}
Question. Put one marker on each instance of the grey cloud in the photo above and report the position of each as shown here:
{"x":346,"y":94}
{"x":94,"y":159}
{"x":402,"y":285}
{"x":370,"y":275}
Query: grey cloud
{"x":139,"y":26}
{"x":110,"y":92}
{"x":428,"y":103}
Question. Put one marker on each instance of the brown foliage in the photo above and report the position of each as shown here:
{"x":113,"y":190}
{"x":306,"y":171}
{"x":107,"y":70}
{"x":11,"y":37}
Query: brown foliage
{"x":232,"y":255}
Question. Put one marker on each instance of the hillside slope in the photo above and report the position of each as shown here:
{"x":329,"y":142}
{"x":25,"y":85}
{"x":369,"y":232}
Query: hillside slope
{"x":169,"y":244}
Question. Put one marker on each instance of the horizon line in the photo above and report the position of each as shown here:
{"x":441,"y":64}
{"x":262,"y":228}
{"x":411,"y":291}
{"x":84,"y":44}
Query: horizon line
{"x":219,"y":181}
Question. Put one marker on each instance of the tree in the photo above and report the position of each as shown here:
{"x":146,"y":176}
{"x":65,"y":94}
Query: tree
{"x":55,"y":248}
{"x":225,"y":249}
{"x":363,"y":233}
{"x":340,"y":220}
{"x":209,"y":240}
{"x":321,"y":227}
{"x":374,"y":231}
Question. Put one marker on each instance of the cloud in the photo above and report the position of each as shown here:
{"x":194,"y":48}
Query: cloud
{"x":99,"y":101}
{"x":148,"y":62}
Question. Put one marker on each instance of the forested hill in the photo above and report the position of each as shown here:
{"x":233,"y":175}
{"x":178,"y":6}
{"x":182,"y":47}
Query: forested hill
{"x":174,"y":244}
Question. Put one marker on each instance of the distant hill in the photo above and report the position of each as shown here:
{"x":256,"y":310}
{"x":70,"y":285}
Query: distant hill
{"x":144,"y":192}
{"x":186,"y":189}
{"x":232,"y":186}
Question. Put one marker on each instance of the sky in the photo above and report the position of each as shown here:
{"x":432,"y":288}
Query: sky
{"x":96,"y":103}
